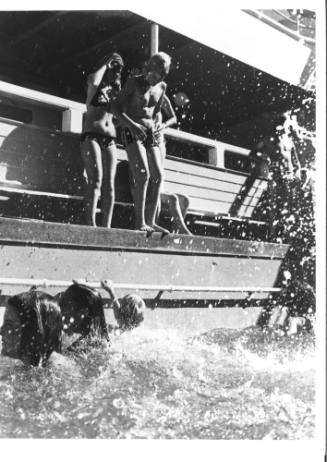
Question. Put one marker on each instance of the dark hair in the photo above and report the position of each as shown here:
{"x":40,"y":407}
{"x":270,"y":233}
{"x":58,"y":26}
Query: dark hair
{"x":104,"y":60}
{"x":41,"y":323}
{"x":80,"y":297}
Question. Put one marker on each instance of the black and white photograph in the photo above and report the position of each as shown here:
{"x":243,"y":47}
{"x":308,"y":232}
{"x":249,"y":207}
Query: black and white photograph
{"x":160,"y":179}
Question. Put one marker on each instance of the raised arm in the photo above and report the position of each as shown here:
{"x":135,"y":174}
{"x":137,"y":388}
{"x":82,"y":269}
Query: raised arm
{"x":108,"y":287}
{"x":93,"y":81}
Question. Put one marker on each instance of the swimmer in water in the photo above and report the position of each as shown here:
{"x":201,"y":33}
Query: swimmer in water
{"x":32,"y":327}
{"x":82,"y":312}
{"x":82,"y":309}
{"x":98,"y":139}
{"x":297,"y":302}
{"x":129,"y":311}
{"x":136,"y":107}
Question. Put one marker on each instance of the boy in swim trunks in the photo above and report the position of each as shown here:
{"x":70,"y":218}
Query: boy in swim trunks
{"x":136,"y":107}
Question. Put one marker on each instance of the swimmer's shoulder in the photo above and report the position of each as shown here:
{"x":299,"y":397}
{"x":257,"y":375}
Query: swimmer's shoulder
{"x":161,"y":88}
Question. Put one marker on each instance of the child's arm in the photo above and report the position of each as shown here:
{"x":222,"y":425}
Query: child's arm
{"x":169,"y":112}
{"x":118,"y":111}
{"x":93,"y":81}
{"x":108,"y":287}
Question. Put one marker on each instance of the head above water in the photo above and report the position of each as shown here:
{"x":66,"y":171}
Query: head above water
{"x":31,"y":328}
{"x":131,"y":312}
{"x":82,"y":310}
{"x":158,"y":66}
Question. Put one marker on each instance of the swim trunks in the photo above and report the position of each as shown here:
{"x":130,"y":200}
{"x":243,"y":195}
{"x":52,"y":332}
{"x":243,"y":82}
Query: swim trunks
{"x":128,"y":137}
{"x":104,"y":141}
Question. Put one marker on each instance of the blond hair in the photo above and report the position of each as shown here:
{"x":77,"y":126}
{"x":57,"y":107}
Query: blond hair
{"x":160,"y":60}
{"x":130,"y":313}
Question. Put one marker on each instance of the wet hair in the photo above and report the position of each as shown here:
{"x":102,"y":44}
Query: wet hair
{"x":116,"y":57}
{"x":77,"y":298}
{"x":41,"y":323}
{"x":105,"y":59}
{"x":130,"y":313}
{"x":161,"y":61}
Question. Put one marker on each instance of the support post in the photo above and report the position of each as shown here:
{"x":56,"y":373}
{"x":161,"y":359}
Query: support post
{"x":72,"y":120}
{"x":154,"y":43}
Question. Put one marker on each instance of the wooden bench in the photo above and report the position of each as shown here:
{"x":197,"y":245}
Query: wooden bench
{"x":41,"y":176}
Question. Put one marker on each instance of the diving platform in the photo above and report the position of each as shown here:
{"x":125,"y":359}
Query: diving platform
{"x":36,"y":250}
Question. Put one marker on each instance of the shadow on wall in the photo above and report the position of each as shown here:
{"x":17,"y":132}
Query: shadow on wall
{"x":49,"y":162}
{"x":35,"y":159}
{"x":42,"y":160}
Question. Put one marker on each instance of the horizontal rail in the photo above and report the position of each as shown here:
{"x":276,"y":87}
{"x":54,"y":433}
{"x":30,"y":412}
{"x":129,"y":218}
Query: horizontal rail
{"x":40,"y":97}
{"x":33,"y":192}
{"x":138,"y":287}
{"x":190,"y":137}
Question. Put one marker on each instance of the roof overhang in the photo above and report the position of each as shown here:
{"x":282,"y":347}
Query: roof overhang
{"x":237,"y":34}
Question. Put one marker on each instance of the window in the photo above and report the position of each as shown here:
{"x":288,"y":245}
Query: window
{"x":187,"y":150}
{"x":16,"y":113}
{"x":238,"y":162}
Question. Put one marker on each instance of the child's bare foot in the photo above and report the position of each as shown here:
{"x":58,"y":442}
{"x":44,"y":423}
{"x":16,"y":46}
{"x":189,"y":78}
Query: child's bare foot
{"x":160,"y":229}
{"x":181,"y":230}
{"x":145,"y":228}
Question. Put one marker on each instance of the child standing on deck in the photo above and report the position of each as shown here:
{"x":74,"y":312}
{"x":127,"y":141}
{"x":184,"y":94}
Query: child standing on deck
{"x":98,"y":140}
{"x":136,"y":107}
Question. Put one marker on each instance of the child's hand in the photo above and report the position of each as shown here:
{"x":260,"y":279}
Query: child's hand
{"x":139,"y":131}
{"x":159,"y":128}
{"x":106,"y":284}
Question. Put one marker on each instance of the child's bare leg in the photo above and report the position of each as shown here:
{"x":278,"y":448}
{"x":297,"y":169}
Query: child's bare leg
{"x":92,"y":158}
{"x":153,"y":193}
{"x":282,"y":318}
{"x":184,"y":204}
{"x":178,"y":223}
{"x":140,"y":173}
{"x":162,"y":148}
{"x":295,"y":325}
{"x":109,"y":160}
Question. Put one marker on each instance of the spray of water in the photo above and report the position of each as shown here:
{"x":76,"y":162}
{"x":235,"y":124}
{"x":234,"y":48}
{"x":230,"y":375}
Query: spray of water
{"x":226,"y":384}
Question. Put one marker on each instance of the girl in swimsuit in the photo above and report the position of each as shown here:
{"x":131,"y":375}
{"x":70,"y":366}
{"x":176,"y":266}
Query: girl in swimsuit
{"x":98,"y":140}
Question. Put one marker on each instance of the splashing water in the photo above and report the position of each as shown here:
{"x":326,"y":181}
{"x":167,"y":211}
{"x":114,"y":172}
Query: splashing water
{"x":225,"y":384}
